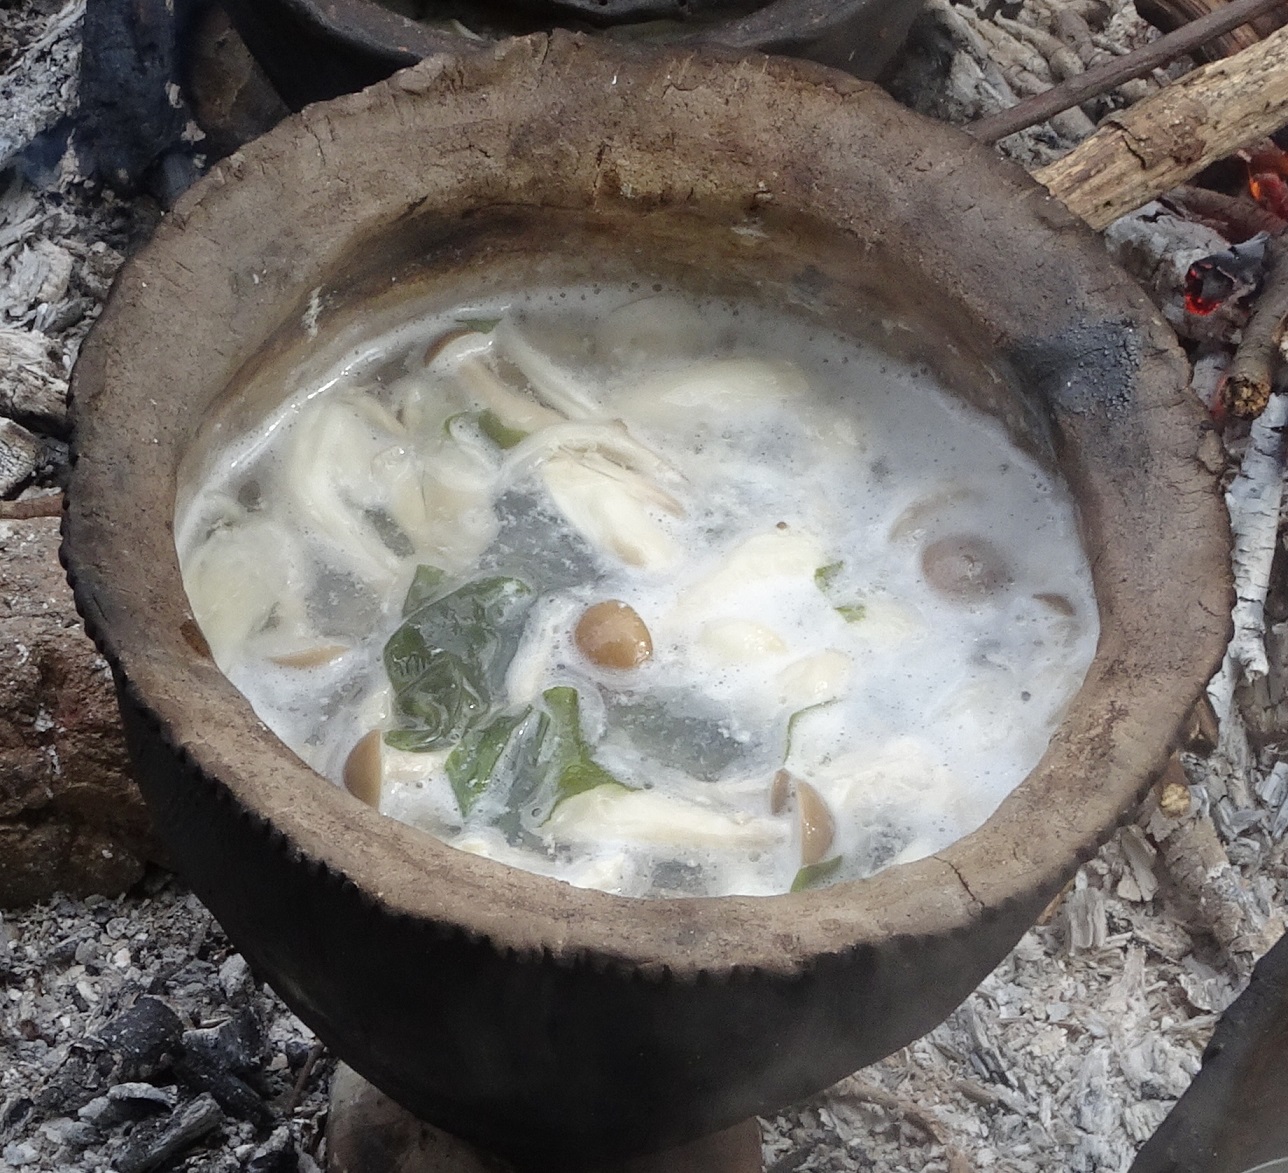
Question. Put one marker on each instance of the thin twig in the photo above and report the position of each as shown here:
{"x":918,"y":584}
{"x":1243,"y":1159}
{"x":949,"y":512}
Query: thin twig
{"x":865,"y":1092}
{"x":315,"y":1053}
{"x":1247,"y":389}
{"x":50,"y":505}
{"x":1241,"y":216}
{"x":1102,"y":78}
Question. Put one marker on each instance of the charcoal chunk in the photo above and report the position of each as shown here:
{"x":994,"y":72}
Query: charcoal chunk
{"x":142,"y":1040}
{"x":153,"y":1143}
{"x":236,"y":1044}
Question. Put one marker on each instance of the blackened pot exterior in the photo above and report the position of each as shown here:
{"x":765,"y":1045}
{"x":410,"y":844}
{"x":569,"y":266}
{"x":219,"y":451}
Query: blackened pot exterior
{"x":313,"y":50}
{"x":558,"y":1025}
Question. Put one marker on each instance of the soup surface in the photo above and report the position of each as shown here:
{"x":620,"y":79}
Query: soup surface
{"x":650,"y":594}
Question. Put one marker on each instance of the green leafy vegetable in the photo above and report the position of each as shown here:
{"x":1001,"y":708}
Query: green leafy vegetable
{"x":567,"y":761}
{"x":470,"y":766}
{"x":498,"y":431}
{"x":424,"y":586}
{"x":813,"y":875}
{"x":825,"y":576}
{"x":449,"y":658}
{"x":796,"y":716}
{"x":479,"y":325}
{"x":535,"y":759}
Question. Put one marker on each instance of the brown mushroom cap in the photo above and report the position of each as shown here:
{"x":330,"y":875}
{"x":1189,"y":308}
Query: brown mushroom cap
{"x":612,"y":635}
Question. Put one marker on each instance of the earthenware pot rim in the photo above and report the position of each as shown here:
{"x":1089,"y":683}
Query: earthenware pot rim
{"x":1164,"y":602}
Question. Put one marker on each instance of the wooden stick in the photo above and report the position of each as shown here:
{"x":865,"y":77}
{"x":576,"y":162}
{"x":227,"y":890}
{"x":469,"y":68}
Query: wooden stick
{"x":50,"y":505}
{"x":1168,"y":15}
{"x":1239,"y":217}
{"x":1247,"y":389}
{"x":1172,"y":135}
{"x":1101,"y":79}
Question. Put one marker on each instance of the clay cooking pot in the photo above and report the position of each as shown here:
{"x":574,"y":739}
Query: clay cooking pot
{"x":552,"y":1024}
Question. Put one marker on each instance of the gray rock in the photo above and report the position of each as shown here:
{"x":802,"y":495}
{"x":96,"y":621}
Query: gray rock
{"x":71,"y":818}
{"x":235,"y":977}
{"x":276,"y":1155}
{"x":64,"y":1131}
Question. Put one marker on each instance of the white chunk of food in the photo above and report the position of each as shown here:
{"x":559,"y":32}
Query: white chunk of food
{"x":775,"y":554}
{"x":725,"y":384}
{"x":899,"y":776}
{"x":615,"y":509}
{"x":740,"y":641}
{"x":556,"y":385}
{"x":487,"y":389}
{"x":646,"y":816}
{"x":887,"y":624}
{"x":351,"y":460}
{"x":816,"y":679}
{"x":242,"y":576}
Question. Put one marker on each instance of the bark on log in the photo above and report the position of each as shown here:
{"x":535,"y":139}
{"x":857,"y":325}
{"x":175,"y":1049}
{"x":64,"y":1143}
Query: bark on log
{"x":1252,"y":374}
{"x":1164,"y":140}
{"x":1169,"y":15}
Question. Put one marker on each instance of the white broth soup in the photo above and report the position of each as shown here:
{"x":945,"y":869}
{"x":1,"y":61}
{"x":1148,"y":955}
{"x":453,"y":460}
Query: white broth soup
{"x":651,"y":594}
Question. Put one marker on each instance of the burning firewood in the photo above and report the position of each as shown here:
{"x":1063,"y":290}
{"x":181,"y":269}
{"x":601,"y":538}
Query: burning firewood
{"x":1247,"y":390}
{"x":1168,"y":15}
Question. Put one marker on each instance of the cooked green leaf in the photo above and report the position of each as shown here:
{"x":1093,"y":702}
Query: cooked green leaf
{"x":449,"y":658}
{"x":471,"y":765}
{"x":498,"y":431}
{"x":825,"y":576}
{"x":796,"y":716}
{"x":813,"y":875}
{"x":567,"y":758}
{"x":479,"y":325}
{"x":424,"y":586}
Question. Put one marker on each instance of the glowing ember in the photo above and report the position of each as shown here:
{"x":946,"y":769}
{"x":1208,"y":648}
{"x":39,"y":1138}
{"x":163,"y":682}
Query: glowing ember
{"x":1234,"y":273}
{"x":1268,"y":179}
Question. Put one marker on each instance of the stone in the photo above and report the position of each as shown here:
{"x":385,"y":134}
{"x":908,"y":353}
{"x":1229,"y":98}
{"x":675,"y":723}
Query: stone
{"x":276,"y":1155}
{"x":235,"y":977}
{"x":70,"y":816}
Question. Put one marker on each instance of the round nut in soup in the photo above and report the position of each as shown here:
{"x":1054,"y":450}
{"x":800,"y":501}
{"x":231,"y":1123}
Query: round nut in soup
{"x":612,"y":635}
